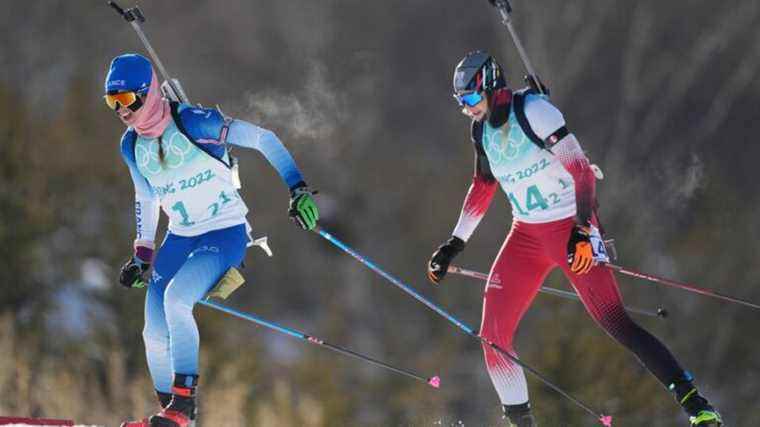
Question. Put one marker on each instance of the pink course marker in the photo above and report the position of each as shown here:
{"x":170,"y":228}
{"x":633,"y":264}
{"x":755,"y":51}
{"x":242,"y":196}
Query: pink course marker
{"x":435,"y":381}
{"x":606,"y":420}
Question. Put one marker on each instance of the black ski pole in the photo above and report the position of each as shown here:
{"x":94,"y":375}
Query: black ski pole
{"x":604,"y":419}
{"x":661,"y":312}
{"x":434,"y":381}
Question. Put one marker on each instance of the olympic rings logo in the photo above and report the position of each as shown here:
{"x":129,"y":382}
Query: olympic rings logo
{"x":147,"y":158}
{"x":515,"y":141}
{"x":177,"y":149}
{"x":499,"y":151}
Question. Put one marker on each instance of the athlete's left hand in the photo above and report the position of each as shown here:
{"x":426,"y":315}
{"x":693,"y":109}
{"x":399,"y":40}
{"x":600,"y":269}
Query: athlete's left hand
{"x":580,"y":254}
{"x":303,"y":210}
{"x":132,"y":273}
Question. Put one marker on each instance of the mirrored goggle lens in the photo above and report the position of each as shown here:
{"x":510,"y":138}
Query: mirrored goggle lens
{"x":470,"y":99}
{"x":125,"y":99}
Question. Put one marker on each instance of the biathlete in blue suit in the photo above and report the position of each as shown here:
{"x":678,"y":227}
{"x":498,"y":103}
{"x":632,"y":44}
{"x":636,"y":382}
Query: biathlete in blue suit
{"x":178,"y":158}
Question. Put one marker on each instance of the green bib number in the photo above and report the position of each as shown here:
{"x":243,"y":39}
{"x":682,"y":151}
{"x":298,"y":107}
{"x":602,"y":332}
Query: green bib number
{"x":533,"y":200}
{"x":180,"y":207}
{"x":516,"y":204}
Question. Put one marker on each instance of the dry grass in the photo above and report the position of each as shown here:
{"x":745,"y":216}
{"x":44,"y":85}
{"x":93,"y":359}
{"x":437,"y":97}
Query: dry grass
{"x":75,"y":386}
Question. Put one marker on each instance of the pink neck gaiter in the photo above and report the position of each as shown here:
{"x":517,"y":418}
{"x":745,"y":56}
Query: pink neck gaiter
{"x":152,"y":118}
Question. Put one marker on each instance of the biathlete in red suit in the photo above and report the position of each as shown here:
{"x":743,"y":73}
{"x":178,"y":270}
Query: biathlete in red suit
{"x":522,"y":143}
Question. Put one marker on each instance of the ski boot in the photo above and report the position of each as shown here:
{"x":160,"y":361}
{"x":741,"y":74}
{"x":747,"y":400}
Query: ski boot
{"x":701,"y":413}
{"x":180,"y":412}
{"x":519,"y":415}
{"x":163,"y":400}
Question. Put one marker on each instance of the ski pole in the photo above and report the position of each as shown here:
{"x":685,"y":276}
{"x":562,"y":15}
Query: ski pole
{"x":134,"y":17}
{"x":434,"y":381}
{"x":681,"y":285}
{"x":661,"y":312}
{"x":604,"y":419}
{"x":505,"y":9}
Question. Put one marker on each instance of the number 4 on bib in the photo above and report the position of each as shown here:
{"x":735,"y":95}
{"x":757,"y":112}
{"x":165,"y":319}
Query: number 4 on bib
{"x":533,"y":200}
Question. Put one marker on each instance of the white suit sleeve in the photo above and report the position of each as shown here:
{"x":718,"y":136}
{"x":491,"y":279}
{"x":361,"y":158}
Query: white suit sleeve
{"x":147,"y":207}
{"x":543,"y":117}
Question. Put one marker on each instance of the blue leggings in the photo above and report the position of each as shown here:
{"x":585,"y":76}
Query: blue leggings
{"x":186,"y":268}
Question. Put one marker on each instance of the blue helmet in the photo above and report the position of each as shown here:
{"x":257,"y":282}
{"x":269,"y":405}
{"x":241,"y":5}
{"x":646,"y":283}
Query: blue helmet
{"x":129,"y":72}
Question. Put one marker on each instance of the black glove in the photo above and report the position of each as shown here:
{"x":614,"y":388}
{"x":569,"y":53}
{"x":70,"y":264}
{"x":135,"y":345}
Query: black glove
{"x":133,"y":273}
{"x":439,"y":262}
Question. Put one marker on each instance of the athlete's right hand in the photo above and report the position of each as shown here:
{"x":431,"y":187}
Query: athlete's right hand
{"x":133,"y":273}
{"x":438,"y":265}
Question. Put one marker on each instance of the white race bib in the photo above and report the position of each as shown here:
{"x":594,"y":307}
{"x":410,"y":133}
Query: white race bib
{"x":597,"y":246}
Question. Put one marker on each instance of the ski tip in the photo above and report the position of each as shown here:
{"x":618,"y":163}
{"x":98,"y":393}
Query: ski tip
{"x":606,"y":420}
{"x":435,"y":382}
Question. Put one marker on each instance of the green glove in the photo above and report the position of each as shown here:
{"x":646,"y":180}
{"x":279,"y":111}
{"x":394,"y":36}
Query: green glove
{"x":303,"y":210}
{"x":132,"y":274}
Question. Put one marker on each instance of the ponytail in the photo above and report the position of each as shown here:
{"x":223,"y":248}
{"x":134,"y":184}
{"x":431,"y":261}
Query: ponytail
{"x":161,"y":155}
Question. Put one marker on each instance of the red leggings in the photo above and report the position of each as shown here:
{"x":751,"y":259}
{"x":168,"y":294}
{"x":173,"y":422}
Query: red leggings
{"x":530,"y":252}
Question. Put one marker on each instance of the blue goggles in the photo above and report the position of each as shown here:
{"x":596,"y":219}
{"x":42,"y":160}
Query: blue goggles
{"x":469,"y":99}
